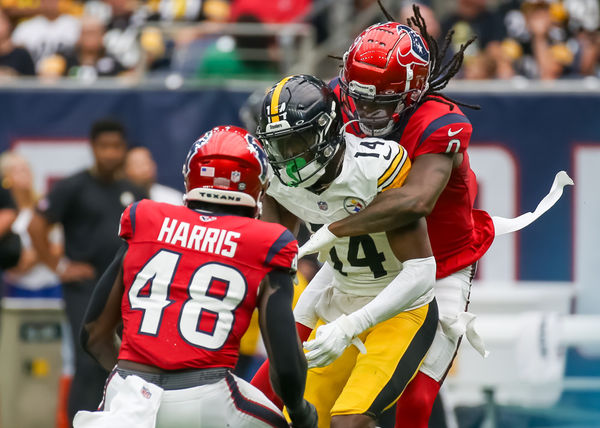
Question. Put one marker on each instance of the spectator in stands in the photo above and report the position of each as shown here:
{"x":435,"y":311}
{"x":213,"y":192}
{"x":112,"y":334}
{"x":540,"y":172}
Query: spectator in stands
{"x":123,"y":20}
{"x":433,"y":25}
{"x":188,"y":10}
{"x":158,"y":51}
{"x":21,"y":10}
{"x":242,"y":56}
{"x":140,"y":169}
{"x":541,"y":43}
{"x":30,"y":278}
{"x":88,"y":204}
{"x":10,"y":250}
{"x":473,"y":18}
{"x":14,"y":60}
{"x":89,"y":59}
{"x":275,"y":12}
{"x":47,"y":33}
{"x":584,"y":22}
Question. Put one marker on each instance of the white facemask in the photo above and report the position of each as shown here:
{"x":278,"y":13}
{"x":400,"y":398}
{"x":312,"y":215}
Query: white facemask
{"x":377,"y":132}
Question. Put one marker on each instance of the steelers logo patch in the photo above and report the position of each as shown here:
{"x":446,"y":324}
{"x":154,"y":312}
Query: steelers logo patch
{"x":353,"y":205}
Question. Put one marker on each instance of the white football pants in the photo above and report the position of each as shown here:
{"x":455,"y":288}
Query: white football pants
{"x":451,"y":294}
{"x":230,"y":402}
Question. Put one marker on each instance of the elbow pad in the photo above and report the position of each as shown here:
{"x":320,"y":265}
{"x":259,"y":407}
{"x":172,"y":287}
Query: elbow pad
{"x":410,"y":289}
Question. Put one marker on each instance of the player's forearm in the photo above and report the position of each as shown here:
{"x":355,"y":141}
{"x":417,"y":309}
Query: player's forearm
{"x":549,"y":68}
{"x":105,"y":349}
{"x":104,"y":287}
{"x":7,"y":217}
{"x":288,"y":371}
{"x":413,"y":285}
{"x":39,"y":229}
{"x":304,"y":311}
{"x":287,"y":362}
{"x":103,"y":314}
{"x":389,"y":210}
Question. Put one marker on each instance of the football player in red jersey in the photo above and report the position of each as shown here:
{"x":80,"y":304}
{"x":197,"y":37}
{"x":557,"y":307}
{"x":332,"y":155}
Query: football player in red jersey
{"x":185,"y":285}
{"x":390,"y":85}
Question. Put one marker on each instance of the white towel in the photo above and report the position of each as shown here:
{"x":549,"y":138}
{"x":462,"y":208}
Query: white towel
{"x":507,"y":225}
{"x":464,"y":324}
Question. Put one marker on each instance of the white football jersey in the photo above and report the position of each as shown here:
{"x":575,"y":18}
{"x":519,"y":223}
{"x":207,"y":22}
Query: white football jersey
{"x":363,"y":265}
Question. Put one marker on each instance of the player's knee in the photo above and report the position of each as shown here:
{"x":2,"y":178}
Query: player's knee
{"x":352,"y":421}
{"x":414,"y":406}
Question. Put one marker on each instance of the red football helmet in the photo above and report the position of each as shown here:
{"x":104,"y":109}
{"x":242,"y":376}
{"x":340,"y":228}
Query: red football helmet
{"x":385,"y":72}
{"x":227,"y":166}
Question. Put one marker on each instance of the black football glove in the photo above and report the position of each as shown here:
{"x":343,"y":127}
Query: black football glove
{"x":305,"y":416}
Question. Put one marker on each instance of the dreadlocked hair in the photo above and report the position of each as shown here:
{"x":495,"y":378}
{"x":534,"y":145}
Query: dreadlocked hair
{"x":440,"y":74}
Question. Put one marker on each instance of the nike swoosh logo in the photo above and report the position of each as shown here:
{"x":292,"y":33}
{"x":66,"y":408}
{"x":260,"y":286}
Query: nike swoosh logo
{"x":387,"y":157}
{"x":453,"y":133}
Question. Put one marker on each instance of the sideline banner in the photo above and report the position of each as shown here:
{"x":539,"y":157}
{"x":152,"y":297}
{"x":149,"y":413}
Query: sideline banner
{"x":519,"y":143}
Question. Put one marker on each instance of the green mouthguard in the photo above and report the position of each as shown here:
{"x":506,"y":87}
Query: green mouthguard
{"x":292,"y":168}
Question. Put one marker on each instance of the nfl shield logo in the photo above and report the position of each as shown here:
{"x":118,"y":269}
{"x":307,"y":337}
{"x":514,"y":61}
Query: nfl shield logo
{"x":235,"y":176}
{"x":146,"y":392}
{"x":322,"y":205}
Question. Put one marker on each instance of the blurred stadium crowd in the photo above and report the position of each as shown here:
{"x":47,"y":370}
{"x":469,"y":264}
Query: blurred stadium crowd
{"x":245,"y":39}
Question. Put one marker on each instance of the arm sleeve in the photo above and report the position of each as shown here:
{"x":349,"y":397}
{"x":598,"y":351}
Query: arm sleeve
{"x":101,"y":292}
{"x":449,"y":133}
{"x":287,"y":362}
{"x":283,"y":253}
{"x":413,"y":285}
{"x":304,"y":311}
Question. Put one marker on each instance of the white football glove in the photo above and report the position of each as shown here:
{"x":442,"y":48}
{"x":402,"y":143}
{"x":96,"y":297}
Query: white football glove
{"x":331,"y":340}
{"x":320,"y":242}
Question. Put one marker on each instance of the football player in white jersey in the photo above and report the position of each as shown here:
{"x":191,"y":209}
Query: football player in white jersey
{"x":374,"y":291}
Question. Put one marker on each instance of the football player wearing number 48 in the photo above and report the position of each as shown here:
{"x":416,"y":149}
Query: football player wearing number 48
{"x":185,"y":285}
{"x":376,"y":290}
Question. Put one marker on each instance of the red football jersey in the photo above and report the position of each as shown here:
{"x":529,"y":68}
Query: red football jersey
{"x":459,"y":234}
{"x":192,"y":281}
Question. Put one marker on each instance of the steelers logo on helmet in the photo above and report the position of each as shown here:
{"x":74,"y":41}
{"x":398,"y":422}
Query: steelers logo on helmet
{"x":299,"y":126}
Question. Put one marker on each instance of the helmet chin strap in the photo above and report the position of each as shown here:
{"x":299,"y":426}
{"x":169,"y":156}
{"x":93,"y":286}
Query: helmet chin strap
{"x":317,"y":175}
{"x":379,"y":131}
{"x":343,"y":127}
{"x":313,"y":179}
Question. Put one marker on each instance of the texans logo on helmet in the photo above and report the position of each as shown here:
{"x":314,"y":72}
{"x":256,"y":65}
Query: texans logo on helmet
{"x":418,"y":53}
{"x":255,"y":148}
{"x":199,"y":143}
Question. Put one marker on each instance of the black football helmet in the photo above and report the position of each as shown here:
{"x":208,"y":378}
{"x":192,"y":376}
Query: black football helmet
{"x":299,"y":126}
